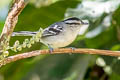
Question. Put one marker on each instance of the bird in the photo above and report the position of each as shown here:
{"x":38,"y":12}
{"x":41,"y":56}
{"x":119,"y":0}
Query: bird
{"x":59,"y":34}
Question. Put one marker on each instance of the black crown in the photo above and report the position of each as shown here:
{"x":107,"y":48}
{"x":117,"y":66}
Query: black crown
{"x":72,"y":18}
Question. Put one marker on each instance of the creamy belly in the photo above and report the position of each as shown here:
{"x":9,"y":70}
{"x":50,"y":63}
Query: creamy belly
{"x":61,"y":42}
{"x":64,"y":39}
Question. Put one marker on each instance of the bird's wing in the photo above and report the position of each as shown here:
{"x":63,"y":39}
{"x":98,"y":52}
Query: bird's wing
{"x":52,"y":30}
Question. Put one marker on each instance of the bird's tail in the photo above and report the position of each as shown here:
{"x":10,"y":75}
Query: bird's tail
{"x":23,"y":33}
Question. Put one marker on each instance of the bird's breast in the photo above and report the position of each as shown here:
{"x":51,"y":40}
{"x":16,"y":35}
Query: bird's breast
{"x":63,"y":39}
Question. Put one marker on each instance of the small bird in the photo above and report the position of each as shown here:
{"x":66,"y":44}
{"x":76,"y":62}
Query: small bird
{"x":59,"y":34}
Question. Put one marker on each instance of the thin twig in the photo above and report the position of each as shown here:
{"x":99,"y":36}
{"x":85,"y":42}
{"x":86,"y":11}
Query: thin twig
{"x":11,"y":20}
{"x":59,"y":51}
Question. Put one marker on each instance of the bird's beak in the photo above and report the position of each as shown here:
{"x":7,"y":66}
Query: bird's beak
{"x":84,"y":26}
{"x":84,"y":22}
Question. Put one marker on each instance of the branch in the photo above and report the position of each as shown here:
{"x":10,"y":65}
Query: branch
{"x":59,"y":51}
{"x":11,"y":20}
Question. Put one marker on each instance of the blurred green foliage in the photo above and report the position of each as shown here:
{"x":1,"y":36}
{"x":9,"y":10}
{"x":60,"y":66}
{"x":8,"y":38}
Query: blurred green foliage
{"x":66,"y":66}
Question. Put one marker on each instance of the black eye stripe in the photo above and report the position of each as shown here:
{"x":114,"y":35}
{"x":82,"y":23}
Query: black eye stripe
{"x":73,"y":18}
{"x":73,"y":23}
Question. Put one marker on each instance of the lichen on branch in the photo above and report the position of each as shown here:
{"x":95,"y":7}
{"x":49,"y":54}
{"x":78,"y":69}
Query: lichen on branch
{"x":10,"y":23}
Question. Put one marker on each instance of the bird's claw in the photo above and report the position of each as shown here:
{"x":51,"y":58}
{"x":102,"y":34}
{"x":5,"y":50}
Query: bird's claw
{"x":51,"y":50}
{"x":73,"y":48}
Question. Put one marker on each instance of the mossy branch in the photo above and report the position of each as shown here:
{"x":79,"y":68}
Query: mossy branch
{"x":11,"y":21}
{"x":12,"y":18}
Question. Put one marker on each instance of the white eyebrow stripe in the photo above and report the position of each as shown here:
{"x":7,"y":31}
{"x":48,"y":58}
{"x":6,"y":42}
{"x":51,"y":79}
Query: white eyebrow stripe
{"x":72,"y":21}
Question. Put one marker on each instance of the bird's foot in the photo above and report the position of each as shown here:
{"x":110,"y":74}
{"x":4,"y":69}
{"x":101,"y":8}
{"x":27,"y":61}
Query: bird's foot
{"x":73,"y":48}
{"x":50,"y":49}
